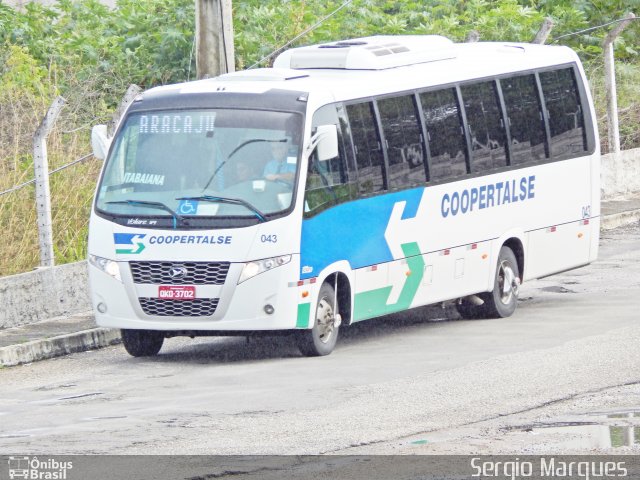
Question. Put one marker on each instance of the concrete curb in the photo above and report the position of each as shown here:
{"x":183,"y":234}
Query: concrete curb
{"x":57,"y":346}
{"x":615,"y":220}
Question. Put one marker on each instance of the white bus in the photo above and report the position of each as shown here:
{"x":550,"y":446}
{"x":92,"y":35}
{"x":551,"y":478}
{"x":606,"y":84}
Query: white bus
{"x":352,"y":180}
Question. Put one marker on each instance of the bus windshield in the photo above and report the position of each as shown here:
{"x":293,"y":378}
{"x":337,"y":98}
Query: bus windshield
{"x":208,"y":164}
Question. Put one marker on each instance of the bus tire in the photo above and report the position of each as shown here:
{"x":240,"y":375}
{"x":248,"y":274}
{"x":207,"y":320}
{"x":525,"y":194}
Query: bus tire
{"x":321,"y":339}
{"x":142,"y":343}
{"x":503,"y":300}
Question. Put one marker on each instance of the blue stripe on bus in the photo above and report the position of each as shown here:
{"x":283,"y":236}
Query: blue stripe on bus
{"x":352,"y":231}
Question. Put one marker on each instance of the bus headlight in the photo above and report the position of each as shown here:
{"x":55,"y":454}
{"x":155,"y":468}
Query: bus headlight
{"x":251,"y":269}
{"x":107,"y":266}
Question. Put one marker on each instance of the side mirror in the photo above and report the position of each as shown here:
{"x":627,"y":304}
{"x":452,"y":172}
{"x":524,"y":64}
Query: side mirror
{"x":99,"y":141}
{"x":326,"y":141}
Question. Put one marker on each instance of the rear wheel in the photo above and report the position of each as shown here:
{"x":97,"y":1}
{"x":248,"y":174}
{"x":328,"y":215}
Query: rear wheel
{"x":142,"y":343}
{"x":321,"y":339}
{"x":503,"y":300}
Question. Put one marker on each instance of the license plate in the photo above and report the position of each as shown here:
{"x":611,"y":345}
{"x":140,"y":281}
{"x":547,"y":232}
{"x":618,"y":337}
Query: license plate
{"x":176,"y":292}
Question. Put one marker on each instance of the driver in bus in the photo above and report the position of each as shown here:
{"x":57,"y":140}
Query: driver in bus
{"x":281,"y":166}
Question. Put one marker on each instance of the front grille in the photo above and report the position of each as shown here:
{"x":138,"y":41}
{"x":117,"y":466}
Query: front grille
{"x":191,"y":273}
{"x":199,"y":307}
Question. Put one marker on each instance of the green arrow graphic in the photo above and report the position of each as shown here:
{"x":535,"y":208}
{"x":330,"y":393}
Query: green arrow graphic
{"x":128,"y":251}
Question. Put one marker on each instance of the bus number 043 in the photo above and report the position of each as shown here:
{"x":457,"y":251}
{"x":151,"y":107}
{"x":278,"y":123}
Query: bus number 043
{"x":269,"y":238}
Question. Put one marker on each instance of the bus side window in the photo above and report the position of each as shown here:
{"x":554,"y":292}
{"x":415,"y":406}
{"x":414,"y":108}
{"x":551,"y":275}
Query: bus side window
{"x":486,"y":126}
{"x":328,"y":182}
{"x":404,"y":141}
{"x":447,"y":142}
{"x":566,"y":121}
{"x":525,"y":120}
{"x":344,"y":131}
{"x":368,"y":148}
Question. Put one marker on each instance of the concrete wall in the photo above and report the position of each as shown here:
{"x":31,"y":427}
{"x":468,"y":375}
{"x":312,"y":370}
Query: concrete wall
{"x":620,"y":174}
{"x":44,"y":293}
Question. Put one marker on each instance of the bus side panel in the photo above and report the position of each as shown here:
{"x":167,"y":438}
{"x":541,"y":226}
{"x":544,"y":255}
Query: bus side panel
{"x":451,"y":273}
{"x":558,"y":248}
{"x":372,"y":292}
{"x":426,"y":245}
{"x":564,"y":241}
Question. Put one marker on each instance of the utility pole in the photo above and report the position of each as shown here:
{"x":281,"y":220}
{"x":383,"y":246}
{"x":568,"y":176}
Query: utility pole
{"x":610,"y":83}
{"x":214,"y":38}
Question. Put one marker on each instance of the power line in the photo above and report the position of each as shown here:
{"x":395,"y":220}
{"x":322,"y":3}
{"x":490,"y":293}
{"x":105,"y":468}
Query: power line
{"x":300,"y":35}
{"x":590,"y":29}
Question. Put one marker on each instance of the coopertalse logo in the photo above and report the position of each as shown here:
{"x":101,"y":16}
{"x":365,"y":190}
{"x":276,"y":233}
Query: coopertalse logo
{"x":38,"y":469}
{"x":129,"y":243}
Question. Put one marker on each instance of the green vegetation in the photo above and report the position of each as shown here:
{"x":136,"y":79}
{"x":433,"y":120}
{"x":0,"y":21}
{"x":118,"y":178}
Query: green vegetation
{"x":89,"y":54}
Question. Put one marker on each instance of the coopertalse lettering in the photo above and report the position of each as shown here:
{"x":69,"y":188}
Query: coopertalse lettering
{"x":190,"y":239}
{"x":488,"y":196}
{"x":177,"y":124}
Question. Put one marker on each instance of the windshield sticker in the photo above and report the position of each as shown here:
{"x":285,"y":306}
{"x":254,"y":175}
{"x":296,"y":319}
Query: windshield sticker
{"x":177,"y":124}
{"x":188,"y":207}
{"x":146,"y":178}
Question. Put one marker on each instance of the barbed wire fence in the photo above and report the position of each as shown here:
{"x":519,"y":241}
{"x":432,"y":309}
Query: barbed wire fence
{"x":51,"y":172}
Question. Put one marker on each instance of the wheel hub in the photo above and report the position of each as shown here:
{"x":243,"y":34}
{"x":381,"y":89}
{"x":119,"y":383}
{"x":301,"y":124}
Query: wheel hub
{"x":325,"y":320}
{"x":508,"y":282}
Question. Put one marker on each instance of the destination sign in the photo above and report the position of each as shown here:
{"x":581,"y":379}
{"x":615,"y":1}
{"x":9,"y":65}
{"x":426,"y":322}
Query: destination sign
{"x":178,"y":123}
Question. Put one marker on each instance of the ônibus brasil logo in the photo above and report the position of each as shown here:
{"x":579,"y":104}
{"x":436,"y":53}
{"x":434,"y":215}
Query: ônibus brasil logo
{"x":35,"y":469}
{"x":130,"y":243}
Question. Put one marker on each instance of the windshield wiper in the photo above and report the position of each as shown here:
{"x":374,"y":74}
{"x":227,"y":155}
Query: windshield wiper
{"x":232,"y":201}
{"x":234,"y":151}
{"x":254,"y":140}
{"x":156,"y":205}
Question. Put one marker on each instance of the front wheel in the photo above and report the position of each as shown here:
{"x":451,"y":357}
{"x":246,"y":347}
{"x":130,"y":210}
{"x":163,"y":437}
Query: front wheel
{"x":503,"y":300}
{"x":142,"y":343}
{"x":321,"y":339}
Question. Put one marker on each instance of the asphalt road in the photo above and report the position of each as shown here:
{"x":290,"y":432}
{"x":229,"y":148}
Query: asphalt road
{"x":390,"y":381}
